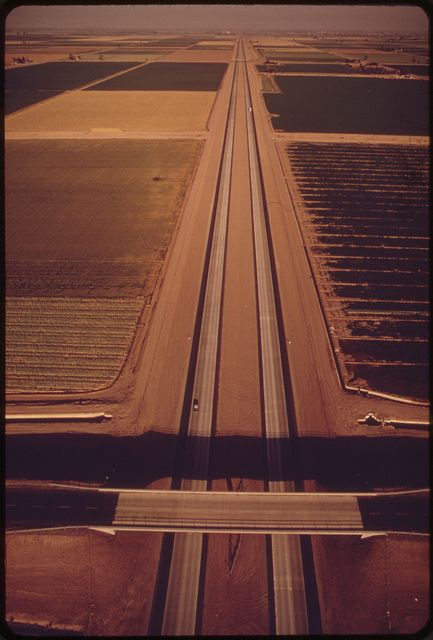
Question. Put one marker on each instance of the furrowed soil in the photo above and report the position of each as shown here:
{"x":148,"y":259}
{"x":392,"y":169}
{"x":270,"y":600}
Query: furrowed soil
{"x":85,"y":581}
{"x":374,"y":585}
{"x":364,"y":214}
{"x":352,"y":105}
{"x":167,"y":76}
{"x":167,"y":111}
{"x":191,"y":55}
{"x":73,"y":296}
{"x":63,"y":344}
{"x":59,"y":75}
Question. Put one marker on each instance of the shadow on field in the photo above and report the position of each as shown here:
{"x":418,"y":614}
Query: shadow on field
{"x":339,"y":464}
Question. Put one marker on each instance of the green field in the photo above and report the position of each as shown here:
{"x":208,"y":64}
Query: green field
{"x":88,"y":224}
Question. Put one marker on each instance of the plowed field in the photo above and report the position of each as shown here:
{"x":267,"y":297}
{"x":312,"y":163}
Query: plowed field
{"x":69,"y":323}
{"x":167,"y":76}
{"x":352,"y":105}
{"x":167,"y":111}
{"x":63,"y":344}
{"x":366,"y":219}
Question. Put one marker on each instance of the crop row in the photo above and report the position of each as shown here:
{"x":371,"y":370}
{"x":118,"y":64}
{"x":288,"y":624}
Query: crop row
{"x":49,"y":344}
{"x":369,"y":248}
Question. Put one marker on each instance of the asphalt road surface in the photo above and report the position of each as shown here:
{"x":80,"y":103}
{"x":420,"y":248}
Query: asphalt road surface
{"x":219,"y":511}
{"x":289,"y":589}
{"x":184,"y":577}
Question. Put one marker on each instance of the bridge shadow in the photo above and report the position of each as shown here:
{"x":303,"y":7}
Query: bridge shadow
{"x":339,"y":464}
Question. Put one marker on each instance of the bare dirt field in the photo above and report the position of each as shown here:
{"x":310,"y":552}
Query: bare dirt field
{"x":122,"y":56}
{"x":375,"y":585}
{"x":82,"y":580}
{"x":168,"y":111}
{"x":236,"y":600}
{"x":190,"y":55}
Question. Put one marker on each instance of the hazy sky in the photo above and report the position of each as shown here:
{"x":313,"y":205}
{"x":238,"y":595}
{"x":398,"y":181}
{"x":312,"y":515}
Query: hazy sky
{"x":216,"y":17}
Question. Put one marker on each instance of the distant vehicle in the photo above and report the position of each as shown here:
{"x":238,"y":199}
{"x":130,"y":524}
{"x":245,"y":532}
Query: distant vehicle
{"x":249,"y":109}
{"x":195,"y":405}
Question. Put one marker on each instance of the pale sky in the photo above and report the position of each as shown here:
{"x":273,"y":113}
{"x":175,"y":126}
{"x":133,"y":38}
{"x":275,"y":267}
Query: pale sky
{"x":285,"y":17}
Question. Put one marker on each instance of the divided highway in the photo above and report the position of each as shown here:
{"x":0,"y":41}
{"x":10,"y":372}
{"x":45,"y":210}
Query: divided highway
{"x":289,"y":588}
{"x":184,"y":577}
{"x":181,"y":600}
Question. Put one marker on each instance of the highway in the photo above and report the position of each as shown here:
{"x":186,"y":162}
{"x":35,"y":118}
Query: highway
{"x":184,"y":577}
{"x":289,"y":589}
{"x":199,"y":512}
{"x":294,"y":398}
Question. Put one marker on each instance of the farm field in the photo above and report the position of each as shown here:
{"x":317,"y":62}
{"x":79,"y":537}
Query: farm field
{"x":350,"y":105}
{"x":307,"y":68}
{"x":28,"y":85}
{"x":63,"y":271}
{"x":15,"y":100}
{"x":381,"y":584}
{"x":123,"y":56}
{"x":289,"y":55}
{"x":59,"y":75}
{"x":366,"y":221}
{"x":56,"y":596}
{"x":67,"y":344}
{"x":210,"y":55}
{"x":150,"y":111}
{"x":167,"y":76}
{"x":332,"y":69}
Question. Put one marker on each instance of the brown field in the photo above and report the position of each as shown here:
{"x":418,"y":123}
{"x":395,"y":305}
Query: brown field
{"x":269,"y":84}
{"x":63,"y":344}
{"x":82,"y":580}
{"x":189,"y":55}
{"x":168,"y":111}
{"x":206,"y":43}
{"x":61,"y":258}
{"x":376,"y":585}
{"x":121,"y":57}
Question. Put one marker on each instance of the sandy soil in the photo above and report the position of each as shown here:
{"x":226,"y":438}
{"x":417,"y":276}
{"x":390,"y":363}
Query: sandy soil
{"x":375,"y":585}
{"x":85,"y":581}
{"x":204,"y":43}
{"x":127,"y":110}
{"x":190,"y":55}
{"x":349,"y":138}
{"x":236,"y":600}
{"x":106,"y":133}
